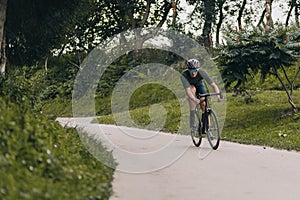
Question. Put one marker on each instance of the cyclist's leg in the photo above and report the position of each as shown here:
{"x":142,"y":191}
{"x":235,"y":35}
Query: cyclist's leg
{"x":192,"y":108}
{"x":200,"y":89}
{"x":195,"y":122}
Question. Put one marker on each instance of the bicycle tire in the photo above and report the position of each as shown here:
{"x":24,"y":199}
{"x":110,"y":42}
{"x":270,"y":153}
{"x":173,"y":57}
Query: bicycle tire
{"x":212,"y":130}
{"x":196,"y":131}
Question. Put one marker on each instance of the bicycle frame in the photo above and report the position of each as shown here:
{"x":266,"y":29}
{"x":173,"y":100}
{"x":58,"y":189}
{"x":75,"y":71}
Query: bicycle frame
{"x":208,"y":124}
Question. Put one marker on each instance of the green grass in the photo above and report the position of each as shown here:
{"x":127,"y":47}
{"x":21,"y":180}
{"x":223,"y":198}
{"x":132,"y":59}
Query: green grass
{"x":149,"y":117}
{"x":264,"y":121}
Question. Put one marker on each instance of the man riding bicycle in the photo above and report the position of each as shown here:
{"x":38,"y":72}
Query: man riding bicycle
{"x":192,"y":80}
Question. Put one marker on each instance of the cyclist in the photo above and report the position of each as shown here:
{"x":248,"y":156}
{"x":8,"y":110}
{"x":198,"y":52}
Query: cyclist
{"x":192,"y":80}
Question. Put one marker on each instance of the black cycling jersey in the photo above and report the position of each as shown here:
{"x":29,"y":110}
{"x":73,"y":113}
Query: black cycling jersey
{"x":187,"y":80}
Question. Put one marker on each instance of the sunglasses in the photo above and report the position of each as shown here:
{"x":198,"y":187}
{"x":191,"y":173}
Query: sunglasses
{"x":193,"y":70}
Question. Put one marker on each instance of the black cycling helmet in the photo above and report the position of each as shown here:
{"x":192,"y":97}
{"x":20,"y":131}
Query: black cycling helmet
{"x":193,"y":64}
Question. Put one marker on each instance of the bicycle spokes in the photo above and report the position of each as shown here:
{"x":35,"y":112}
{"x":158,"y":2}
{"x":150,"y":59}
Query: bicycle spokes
{"x":213,"y":131}
{"x":196,"y":128}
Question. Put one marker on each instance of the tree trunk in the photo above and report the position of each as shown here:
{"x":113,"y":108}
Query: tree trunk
{"x":3,"y":6}
{"x":221,"y":18}
{"x":261,"y":20}
{"x":289,"y":94}
{"x":3,"y":56}
{"x":209,"y":17}
{"x":292,"y":6}
{"x":270,"y":23}
{"x":241,"y":11}
{"x":297,"y":15}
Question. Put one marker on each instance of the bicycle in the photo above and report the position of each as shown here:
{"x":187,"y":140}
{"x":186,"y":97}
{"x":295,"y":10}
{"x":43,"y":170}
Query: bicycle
{"x":207,"y":124}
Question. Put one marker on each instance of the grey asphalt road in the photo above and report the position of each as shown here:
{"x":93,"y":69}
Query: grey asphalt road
{"x":161,"y":166}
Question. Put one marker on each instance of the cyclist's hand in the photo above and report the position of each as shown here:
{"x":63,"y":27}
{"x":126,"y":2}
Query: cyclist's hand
{"x":196,"y":100}
{"x":220,"y":98}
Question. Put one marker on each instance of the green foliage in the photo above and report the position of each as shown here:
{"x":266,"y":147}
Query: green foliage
{"x":270,"y":82}
{"x":58,"y":107}
{"x":46,"y":91}
{"x":103,"y":106}
{"x":250,"y":51}
{"x":34,"y":28}
{"x":19,"y":88}
{"x":60,"y":76}
{"x":150,"y":94}
{"x":39,"y":159}
{"x":129,"y":61}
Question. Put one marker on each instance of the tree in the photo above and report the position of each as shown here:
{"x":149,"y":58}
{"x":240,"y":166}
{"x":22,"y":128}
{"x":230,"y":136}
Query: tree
{"x":206,"y":11}
{"x":3,"y":6}
{"x":269,"y":53}
{"x":33,"y":28}
{"x":100,"y":20}
{"x":153,"y":14}
{"x":231,"y":8}
{"x":211,"y":15}
{"x":209,"y":19}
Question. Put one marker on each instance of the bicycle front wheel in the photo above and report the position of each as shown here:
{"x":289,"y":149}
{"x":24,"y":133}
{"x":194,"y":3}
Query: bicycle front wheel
{"x":196,"y":130}
{"x":212,"y":130}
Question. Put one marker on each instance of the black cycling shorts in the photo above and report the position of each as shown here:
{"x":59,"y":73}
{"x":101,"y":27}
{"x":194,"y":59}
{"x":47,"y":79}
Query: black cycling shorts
{"x":200,"y":88}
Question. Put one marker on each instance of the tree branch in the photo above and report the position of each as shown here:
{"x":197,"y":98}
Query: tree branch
{"x":289,"y":12}
{"x":290,"y":99}
{"x":285,"y":75}
{"x":297,"y":14}
{"x":167,"y":6}
{"x":239,"y":19}
{"x":146,"y":15}
{"x":132,"y":20}
{"x":174,"y":3}
{"x":294,"y":79}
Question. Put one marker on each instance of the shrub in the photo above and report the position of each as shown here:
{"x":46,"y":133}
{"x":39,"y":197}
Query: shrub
{"x":39,"y":159}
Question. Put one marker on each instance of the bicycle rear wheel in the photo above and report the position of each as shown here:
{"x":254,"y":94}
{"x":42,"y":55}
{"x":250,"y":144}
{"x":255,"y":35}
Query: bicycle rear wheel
{"x":212,"y":130}
{"x":196,"y":130}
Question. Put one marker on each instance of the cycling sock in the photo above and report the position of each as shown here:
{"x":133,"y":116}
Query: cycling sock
{"x":192,"y":118}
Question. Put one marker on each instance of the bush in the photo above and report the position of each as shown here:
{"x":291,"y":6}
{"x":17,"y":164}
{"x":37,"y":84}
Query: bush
{"x":39,"y":159}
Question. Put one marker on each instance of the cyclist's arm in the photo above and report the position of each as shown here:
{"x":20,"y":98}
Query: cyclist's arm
{"x":188,"y":89}
{"x":216,"y":90}
{"x":211,"y":83}
{"x":191,"y":95}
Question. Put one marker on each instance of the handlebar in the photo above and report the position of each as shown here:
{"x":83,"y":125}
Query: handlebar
{"x":209,"y":94}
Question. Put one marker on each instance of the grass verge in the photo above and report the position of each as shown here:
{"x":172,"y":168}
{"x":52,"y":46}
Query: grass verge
{"x":265,"y":121}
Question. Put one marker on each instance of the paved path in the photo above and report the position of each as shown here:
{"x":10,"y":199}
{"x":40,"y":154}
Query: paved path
{"x":233,"y":172}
